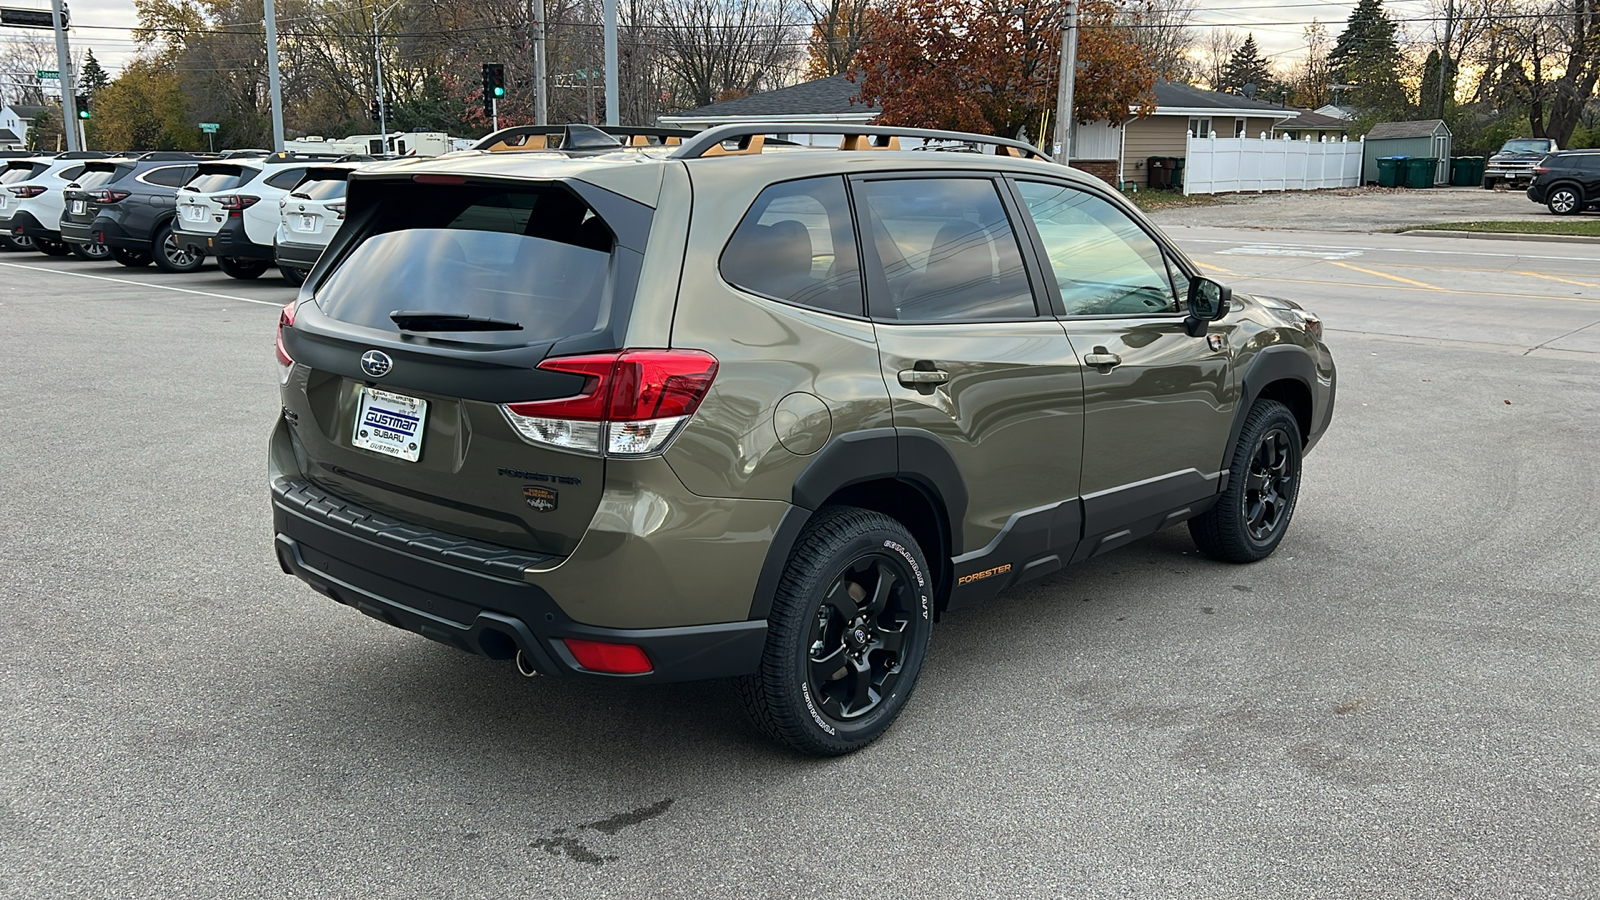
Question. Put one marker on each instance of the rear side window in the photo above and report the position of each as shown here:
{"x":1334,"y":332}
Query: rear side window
{"x":331,"y":189}
{"x":947,"y":249}
{"x":287,"y":179}
{"x":220,"y":178}
{"x":169,"y":176}
{"x":796,"y":244}
{"x":71,"y":173}
{"x":540,"y":258}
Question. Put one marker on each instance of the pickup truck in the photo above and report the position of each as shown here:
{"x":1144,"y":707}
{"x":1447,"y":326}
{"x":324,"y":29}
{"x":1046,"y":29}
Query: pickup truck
{"x":1515,"y":161}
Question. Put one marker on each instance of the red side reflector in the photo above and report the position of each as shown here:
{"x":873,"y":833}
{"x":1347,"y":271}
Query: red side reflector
{"x":439,"y":179}
{"x":616,"y":659}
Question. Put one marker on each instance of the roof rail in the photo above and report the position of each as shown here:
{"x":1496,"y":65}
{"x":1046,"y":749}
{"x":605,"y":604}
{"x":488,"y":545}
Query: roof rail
{"x":553,"y":137}
{"x":749,"y":138}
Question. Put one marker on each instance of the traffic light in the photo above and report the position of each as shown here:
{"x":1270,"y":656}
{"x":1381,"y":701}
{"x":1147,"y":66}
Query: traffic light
{"x":83,"y":106}
{"x":494,"y":84}
{"x":375,"y":111}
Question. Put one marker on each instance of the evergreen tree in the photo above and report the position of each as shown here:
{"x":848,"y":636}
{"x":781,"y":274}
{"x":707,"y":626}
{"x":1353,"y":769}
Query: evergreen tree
{"x":1246,"y":67}
{"x":1366,"y":56}
{"x":92,"y":78}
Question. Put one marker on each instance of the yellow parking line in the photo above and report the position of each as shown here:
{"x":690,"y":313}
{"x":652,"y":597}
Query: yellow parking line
{"x":1429,"y":290}
{"x":1562,"y":280}
{"x":1420,"y":284}
{"x":1219,"y":269}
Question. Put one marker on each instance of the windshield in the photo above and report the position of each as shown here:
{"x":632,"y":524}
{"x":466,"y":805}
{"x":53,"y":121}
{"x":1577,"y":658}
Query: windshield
{"x":1526,"y":146}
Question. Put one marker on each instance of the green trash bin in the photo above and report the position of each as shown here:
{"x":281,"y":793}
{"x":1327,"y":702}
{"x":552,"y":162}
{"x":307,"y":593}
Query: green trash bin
{"x":1420,"y":171}
{"x":1390,"y":171}
{"x":1466,"y":171}
{"x":1177,"y":173}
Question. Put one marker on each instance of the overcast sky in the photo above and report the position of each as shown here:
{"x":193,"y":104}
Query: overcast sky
{"x":103,"y":24}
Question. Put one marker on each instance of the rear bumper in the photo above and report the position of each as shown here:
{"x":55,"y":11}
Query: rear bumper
{"x":74,"y":233}
{"x":472,"y":595}
{"x":24,"y":223}
{"x":231,"y":241}
{"x":111,"y":233}
{"x":298,"y":256}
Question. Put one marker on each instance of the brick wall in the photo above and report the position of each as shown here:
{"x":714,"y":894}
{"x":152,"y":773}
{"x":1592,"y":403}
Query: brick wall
{"x":1103,"y":169}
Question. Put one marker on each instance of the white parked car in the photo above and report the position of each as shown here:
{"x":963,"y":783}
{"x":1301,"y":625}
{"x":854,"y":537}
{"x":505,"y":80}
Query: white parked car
{"x":229,"y":210}
{"x":33,"y":195}
{"x":308,"y":218}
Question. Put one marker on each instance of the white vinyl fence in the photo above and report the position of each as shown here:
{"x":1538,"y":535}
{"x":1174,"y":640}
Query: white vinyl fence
{"x":1228,"y":165}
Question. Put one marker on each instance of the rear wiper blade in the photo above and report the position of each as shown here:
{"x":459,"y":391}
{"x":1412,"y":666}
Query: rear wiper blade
{"x":423,"y":320}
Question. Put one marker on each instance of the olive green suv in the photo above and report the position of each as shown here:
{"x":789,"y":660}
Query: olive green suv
{"x":721,"y":406}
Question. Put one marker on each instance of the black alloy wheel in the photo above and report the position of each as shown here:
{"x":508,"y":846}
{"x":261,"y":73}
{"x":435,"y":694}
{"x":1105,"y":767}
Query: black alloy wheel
{"x":1252,"y":513}
{"x":1564,"y":201}
{"x":170,"y":256}
{"x":133,"y":259}
{"x":90,"y":251}
{"x":846,"y":635}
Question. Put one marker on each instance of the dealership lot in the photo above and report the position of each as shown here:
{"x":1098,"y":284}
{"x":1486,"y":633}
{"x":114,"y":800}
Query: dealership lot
{"x":1399,"y":703}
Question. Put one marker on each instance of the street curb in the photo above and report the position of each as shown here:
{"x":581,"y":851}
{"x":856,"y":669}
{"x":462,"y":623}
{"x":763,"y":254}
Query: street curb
{"x":1505,"y":236}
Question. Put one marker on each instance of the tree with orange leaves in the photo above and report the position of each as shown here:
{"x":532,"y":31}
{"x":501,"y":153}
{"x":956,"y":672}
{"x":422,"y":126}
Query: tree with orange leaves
{"x":989,"y":66}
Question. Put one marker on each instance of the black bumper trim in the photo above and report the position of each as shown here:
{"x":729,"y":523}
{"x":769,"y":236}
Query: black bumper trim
{"x":75,"y":233}
{"x":298,"y":256}
{"x":230,"y":241}
{"x":111,"y":233}
{"x":26,"y":225}
{"x":471,"y":596}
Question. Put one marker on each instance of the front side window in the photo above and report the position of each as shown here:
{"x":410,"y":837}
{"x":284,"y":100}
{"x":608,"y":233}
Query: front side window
{"x":947,"y":249}
{"x":796,"y":245}
{"x":1104,"y":263}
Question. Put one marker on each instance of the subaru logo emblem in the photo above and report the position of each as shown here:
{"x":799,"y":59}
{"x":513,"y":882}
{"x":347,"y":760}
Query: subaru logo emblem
{"x":376,"y":363}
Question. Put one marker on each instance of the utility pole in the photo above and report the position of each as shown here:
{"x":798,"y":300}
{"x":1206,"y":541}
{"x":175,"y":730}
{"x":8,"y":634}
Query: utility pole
{"x":541,"y":89}
{"x":1444,"y":54}
{"x":274,"y":84}
{"x":1069,"y":72}
{"x":377,"y":60}
{"x":610,"y":13}
{"x":69,"y":102}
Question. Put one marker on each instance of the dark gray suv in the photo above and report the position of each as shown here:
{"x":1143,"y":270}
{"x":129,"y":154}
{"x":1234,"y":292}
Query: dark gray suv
{"x":123,"y":209}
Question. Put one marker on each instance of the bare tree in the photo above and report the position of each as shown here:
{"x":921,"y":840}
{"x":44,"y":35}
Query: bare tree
{"x":716,"y":49}
{"x":838,"y":31}
{"x":22,"y":55}
{"x":1161,"y":28}
{"x":1218,"y":48}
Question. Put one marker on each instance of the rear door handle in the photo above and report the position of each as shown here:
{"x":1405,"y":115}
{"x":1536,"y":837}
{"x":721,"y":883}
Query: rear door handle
{"x":923,"y":377}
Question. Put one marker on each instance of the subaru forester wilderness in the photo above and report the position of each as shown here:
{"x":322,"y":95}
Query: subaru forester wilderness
{"x":697,"y":411}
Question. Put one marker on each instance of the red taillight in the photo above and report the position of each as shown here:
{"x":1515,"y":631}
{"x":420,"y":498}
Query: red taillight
{"x":631,"y":403}
{"x":1540,"y":170}
{"x":236,"y":204}
{"x":103,"y":197}
{"x":285,"y":320}
{"x":337,"y":209}
{"x":617,"y":659}
{"x":27,"y":190}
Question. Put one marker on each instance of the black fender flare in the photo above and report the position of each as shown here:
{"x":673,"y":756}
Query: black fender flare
{"x":1276,"y":363}
{"x":912,"y":455}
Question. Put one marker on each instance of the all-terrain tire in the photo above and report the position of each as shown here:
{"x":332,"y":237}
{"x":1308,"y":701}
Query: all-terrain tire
{"x":50,"y":248}
{"x":169,"y":256}
{"x":1253,"y":513}
{"x":133,"y":259}
{"x":846,"y":636}
{"x":242,"y":269}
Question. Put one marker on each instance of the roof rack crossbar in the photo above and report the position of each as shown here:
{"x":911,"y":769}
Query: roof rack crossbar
{"x":708,"y":142}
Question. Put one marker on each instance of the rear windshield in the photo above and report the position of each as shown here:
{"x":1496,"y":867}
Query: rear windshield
{"x":16,"y":172}
{"x":96,"y":176}
{"x":322,"y":190}
{"x":220,"y":178}
{"x":538,"y":257}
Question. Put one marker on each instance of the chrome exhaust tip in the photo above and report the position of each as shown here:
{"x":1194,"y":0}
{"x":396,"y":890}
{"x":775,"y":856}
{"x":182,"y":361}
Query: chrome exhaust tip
{"x":525,"y":666}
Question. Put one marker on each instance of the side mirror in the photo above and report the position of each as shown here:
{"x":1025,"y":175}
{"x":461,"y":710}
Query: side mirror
{"x":1208,"y":302}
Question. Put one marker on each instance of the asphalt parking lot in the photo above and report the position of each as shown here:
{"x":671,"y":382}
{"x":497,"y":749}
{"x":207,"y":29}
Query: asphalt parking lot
{"x":1399,"y":703}
{"x":1361,"y":209}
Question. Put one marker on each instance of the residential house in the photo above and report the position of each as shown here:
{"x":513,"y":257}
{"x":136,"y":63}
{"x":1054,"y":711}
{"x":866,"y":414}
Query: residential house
{"x":15,"y":121}
{"x":1312,"y":126}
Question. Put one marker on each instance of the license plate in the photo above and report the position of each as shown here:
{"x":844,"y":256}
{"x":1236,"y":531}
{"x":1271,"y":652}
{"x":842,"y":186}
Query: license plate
{"x":5,"y":197}
{"x":310,"y":224}
{"x":78,"y":207}
{"x":390,"y":424}
{"x":194,"y":213}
